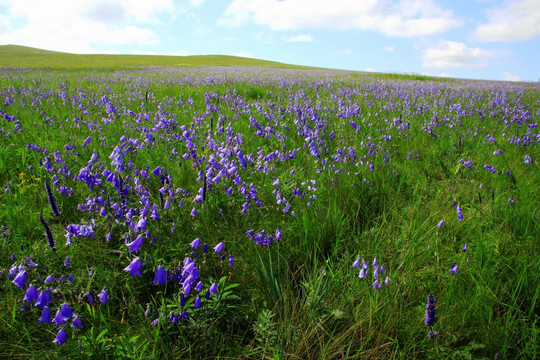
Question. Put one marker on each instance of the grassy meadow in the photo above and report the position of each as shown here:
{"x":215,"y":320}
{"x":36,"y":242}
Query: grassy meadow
{"x":264,"y":211}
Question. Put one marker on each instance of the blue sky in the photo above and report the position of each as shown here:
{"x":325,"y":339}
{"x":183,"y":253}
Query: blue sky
{"x":480,"y":39}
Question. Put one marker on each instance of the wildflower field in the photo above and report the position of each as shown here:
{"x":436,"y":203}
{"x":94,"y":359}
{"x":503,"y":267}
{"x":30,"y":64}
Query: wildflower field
{"x":249,"y":213}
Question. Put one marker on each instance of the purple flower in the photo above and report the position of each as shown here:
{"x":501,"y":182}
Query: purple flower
{"x":103,"y":296}
{"x":154,"y":214}
{"x":464,"y":248}
{"x":134,"y":267}
{"x":67,"y":262}
{"x":356,"y":263}
{"x":43,"y":299}
{"x":80,"y":231}
{"x":195,"y":243}
{"x":459,"y":214}
{"x":50,"y":279}
{"x":31,"y":294}
{"x":278,"y":235}
{"x":160,"y":277}
{"x":197,"y":303}
{"x":430,"y":311}
{"x":231,"y":260}
{"x":219,"y":247}
{"x":386,"y":281}
{"x":141,"y":224}
{"x":20,"y":279}
{"x":48,"y":233}
{"x":376,"y":285}
{"x":432,"y":334}
{"x":213,"y":289}
{"x":454,"y":269}
{"x":77,"y":323}
{"x":86,"y":141}
{"x":52,"y":201}
{"x":363,"y":273}
{"x":440,"y":223}
{"x":194,"y":212}
{"x":59,"y":319}
{"x":60,"y":337}
{"x":135,"y":244}
{"x":490,"y":168}
{"x":66,"y":311}
{"x":45,"y":315}
{"x":527,"y":159}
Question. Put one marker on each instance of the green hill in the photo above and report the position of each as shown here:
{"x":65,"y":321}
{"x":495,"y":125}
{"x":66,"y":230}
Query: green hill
{"x":14,"y":56}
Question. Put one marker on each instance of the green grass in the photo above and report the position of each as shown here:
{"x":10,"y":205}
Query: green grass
{"x":301,"y":298}
{"x":14,"y":56}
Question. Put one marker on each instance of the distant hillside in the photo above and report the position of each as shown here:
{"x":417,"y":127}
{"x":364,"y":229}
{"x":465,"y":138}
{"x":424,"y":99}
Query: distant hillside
{"x":24,"y":50}
{"x":14,"y":56}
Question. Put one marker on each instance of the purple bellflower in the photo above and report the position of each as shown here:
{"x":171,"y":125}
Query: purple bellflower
{"x":20,"y":279}
{"x":45,"y":315}
{"x":160,"y":277}
{"x":103,"y":296}
{"x":31,"y":294}
{"x":459,"y":213}
{"x":135,"y":244}
{"x":219,"y":247}
{"x":134,"y":267}
{"x":60,"y":337}
{"x":195,"y":243}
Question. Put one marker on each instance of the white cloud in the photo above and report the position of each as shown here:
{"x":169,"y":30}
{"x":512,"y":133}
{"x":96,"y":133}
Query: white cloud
{"x":107,"y":13}
{"x":402,"y":18}
{"x":452,"y":54}
{"x":389,"y":48}
{"x":81,"y":26}
{"x":370,"y":69}
{"x":5,"y":26}
{"x":443,"y":74}
{"x":244,"y":53}
{"x":299,"y":38}
{"x":195,"y":3}
{"x":518,"y":20}
{"x":511,"y":77}
{"x":346,"y":51}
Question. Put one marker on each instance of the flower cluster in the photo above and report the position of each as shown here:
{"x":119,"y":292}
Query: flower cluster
{"x":431,"y":316}
{"x":263,"y":238}
{"x":42,"y":297}
{"x":377,"y":272}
